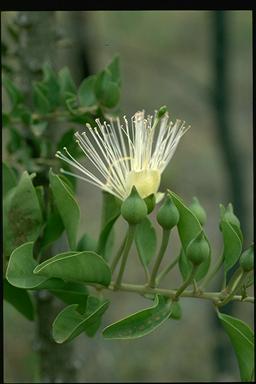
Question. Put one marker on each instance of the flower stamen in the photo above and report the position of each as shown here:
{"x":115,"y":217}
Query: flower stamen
{"x":127,"y":155}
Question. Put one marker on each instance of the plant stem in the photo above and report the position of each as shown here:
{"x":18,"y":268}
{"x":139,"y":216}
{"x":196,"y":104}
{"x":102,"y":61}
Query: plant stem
{"x":188,"y":280}
{"x":127,"y":247}
{"x":118,"y":255}
{"x":165,"y":240}
{"x":195,"y":287}
{"x":56,"y":364}
{"x":36,"y":45}
{"x":224,"y":282}
{"x":213,"y":272}
{"x":144,"y":289}
{"x":166,"y":270}
{"x":147,"y":273}
{"x":234,"y":288}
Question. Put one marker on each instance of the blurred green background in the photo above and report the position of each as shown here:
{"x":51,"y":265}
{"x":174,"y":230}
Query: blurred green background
{"x":167,"y":58}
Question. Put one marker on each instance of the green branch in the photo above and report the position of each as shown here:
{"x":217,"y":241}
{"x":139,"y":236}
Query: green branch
{"x":143,"y":289}
{"x":118,"y":256}
{"x":164,"y":244}
{"x":234,"y":288}
{"x":213,"y":272}
{"x":166,"y":270}
{"x":128,"y":244}
{"x":186,"y":282}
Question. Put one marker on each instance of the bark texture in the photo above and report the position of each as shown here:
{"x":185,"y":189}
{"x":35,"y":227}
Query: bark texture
{"x":37,"y":45}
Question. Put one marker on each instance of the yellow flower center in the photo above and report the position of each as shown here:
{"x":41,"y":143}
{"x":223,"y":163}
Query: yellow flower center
{"x":146,"y":182}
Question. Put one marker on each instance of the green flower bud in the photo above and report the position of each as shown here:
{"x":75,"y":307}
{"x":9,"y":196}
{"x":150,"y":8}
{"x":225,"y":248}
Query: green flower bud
{"x":230,"y":217}
{"x":246,"y":259}
{"x":134,"y":208}
{"x":86,"y":243}
{"x":150,"y":202}
{"x":198,"y":211}
{"x":168,"y":215}
{"x":198,"y":249}
{"x":176,"y":311}
{"x":161,"y":112}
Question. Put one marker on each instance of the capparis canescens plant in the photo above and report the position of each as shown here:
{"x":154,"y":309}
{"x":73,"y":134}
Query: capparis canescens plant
{"x":127,"y":159}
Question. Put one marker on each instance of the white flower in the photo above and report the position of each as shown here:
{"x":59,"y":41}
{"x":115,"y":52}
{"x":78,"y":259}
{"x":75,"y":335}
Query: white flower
{"x":124,"y":155}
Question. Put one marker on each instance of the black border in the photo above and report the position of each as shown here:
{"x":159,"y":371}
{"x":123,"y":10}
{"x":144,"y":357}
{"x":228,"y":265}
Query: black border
{"x":97,"y":5}
{"x":100,"y":5}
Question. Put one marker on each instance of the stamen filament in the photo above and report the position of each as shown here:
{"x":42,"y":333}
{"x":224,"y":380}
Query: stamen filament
{"x":120,"y":152}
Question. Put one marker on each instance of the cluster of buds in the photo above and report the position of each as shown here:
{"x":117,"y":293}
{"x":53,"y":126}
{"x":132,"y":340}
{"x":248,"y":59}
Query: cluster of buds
{"x":134,"y":209}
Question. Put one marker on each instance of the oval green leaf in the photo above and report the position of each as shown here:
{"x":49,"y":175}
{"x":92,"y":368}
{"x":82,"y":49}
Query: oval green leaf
{"x":41,"y":102}
{"x":87,"y":267}
{"x":227,"y":214}
{"x":53,"y":229}
{"x":232,"y":245}
{"x":50,"y":86}
{"x":67,"y":85}
{"x":114,"y":69}
{"x":19,"y":299}
{"x":22,"y":215}
{"x":110,"y":212}
{"x":145,"y":239}
{"x":242,"y":340}
{"x":67,"y":207}
{"x":107,"y":91}
{"x":86,"y":243}
{"x":188,"y":228}
{"x":40,"y":195}
{"x":20,"y":268}
{"x":86,"y":93}
{"x":68,"y":292}
{"x":14,"y":94}
{"x":9,"y":179}
{"x":140,"y":323}
{"x":70,"y":323}
{"x":93,"y":328}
